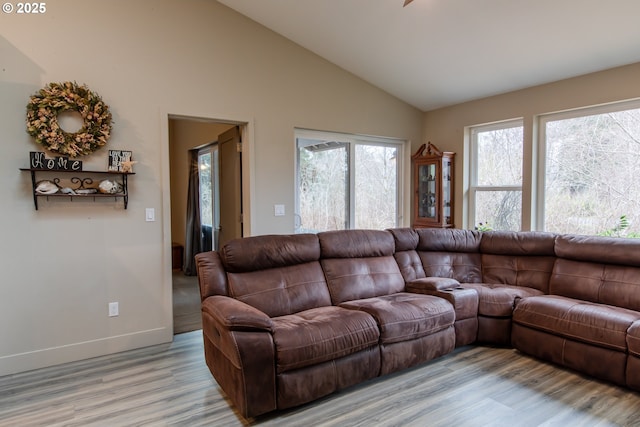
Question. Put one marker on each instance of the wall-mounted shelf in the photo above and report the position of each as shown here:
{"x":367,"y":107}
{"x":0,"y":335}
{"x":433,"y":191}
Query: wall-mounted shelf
{"x":79,"y":181}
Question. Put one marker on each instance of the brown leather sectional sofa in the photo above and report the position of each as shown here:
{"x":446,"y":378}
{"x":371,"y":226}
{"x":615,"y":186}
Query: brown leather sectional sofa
{"x":289,"y":319}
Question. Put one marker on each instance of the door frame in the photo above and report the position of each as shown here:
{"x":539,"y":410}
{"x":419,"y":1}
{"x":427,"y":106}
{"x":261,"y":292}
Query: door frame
{"x":247,"y":133}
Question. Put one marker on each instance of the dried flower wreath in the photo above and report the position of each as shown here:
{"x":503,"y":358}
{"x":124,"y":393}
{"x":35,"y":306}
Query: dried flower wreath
{"x":42,"y":119}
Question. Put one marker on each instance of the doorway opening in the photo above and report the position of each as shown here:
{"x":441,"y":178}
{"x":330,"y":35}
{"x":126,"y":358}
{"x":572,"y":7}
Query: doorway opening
{"x":206,"y":202}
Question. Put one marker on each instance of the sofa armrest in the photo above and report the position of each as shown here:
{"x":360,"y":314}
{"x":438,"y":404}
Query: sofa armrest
{"x":240,"y":353}
{"x":432,"y":284}
{"x":235,"y":315}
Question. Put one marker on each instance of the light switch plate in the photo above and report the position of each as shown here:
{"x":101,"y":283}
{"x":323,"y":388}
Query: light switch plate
{"x":114,"y":309}
{"x":150,"y":214}
{"x":278,"y":210}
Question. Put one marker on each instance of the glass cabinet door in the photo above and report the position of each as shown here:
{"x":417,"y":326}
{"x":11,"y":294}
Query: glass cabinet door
{"x":427,"y":191}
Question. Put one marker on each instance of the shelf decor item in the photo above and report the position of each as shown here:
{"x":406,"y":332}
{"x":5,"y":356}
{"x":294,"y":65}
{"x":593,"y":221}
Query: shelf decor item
{"x":108,"y":186}
{"x":120,"y":161}
{"x":38,"y":160}
{"x":42,"y":119}
{"x":433,"y":186}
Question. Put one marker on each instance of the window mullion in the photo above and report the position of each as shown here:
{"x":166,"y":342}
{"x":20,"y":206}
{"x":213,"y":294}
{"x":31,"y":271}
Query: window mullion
{"x":351,"y":183}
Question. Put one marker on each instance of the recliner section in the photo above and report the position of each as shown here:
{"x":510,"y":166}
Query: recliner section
{"x":589,"y":321}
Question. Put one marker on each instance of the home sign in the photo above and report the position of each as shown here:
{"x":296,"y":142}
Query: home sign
{"x":38,"y":160}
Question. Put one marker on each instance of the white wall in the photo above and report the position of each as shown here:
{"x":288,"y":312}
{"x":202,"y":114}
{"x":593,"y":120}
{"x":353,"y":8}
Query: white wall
{"x":62,"y":264}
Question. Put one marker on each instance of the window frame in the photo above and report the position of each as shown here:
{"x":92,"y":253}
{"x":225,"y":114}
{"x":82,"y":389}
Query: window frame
{"x":352,"y":140}
{"x":474,"y":187}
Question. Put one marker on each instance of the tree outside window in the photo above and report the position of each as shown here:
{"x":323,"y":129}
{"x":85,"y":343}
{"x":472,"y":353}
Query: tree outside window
{"x":496,"y":176}
{"x":591,"y":179}
{"x":346,"y":181}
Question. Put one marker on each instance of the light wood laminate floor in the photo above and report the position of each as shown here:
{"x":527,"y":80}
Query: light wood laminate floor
{"x":171,"y":385}
{"x":187,"y":316}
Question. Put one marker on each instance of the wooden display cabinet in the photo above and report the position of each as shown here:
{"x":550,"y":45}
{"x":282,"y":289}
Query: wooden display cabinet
{"x":433,"y":187}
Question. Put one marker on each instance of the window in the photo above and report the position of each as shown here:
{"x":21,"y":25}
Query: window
{"x":495,"y":190}
{"x":591,"y":163}
{"x":347,"y":181}
{"x":209,"y":195}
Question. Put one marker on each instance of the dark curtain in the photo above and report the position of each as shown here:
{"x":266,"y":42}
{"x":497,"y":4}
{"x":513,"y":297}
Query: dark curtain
{"x":193,"y":234}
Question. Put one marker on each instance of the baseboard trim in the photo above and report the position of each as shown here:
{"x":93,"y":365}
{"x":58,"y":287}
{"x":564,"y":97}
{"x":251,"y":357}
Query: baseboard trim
{"x":27,"y":361}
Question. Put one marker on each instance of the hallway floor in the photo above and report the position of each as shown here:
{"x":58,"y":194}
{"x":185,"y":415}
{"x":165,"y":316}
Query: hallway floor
{"x":186,"y":303}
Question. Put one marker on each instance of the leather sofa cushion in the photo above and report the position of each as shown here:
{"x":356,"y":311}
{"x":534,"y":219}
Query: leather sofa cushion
{"x":530,"y":271}
{"x":633,"y":339}
{"x":357,"y":278}
{"x":270,"y":251}
{"x":448,"y":240}
{"x":281,"y":291}
{"x":404,"y":316}
{"x":596,"y":324}
{"x":405,"y":238}
{"x":356,"y":243}
{"x":321,"y":334}
{"x":453,"y":253}
{"x":212,"y":278}
{"x":410,"y":265}
{"x":497,"y":300}
{"x":597,"y":249}
{"x":601,"y":283}
{"x":523,"y":243}
{"x":464,"y":267}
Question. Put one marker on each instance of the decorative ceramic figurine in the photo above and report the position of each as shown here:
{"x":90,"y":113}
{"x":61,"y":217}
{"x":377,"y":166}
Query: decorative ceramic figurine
{"x":109,"y":187}
{"x":46,"y":187}
{"x":86,"y":191}
{"x":67,"y":190}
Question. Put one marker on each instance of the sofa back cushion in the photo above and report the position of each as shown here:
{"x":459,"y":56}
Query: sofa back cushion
{"x":406,"y":241}
{"x":602,"y":283}
{"x":608,"y":250}
{"x":598,"y":269}
{"x":277,"y":274}
{"x":523,"y":258}
{"x":452,"y":253}
{"x":359,"y":264}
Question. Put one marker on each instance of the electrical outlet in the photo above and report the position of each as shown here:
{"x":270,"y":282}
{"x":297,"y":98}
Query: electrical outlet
{"x":113,"y":309}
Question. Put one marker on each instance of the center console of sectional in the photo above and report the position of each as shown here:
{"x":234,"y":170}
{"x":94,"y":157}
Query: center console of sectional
{"x":501,"y":267}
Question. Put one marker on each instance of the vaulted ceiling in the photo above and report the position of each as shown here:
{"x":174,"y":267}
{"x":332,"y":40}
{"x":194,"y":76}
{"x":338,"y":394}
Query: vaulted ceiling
{"x":434,"y":53}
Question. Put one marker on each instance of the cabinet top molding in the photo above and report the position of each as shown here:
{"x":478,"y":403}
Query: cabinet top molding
{"x":429,"y":150}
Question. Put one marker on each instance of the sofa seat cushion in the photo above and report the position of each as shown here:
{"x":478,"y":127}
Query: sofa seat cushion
{"x":404,"y":316}
{"x":321,"y":334}
{"x":592,"y":323}
{"x":498,"y":300}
